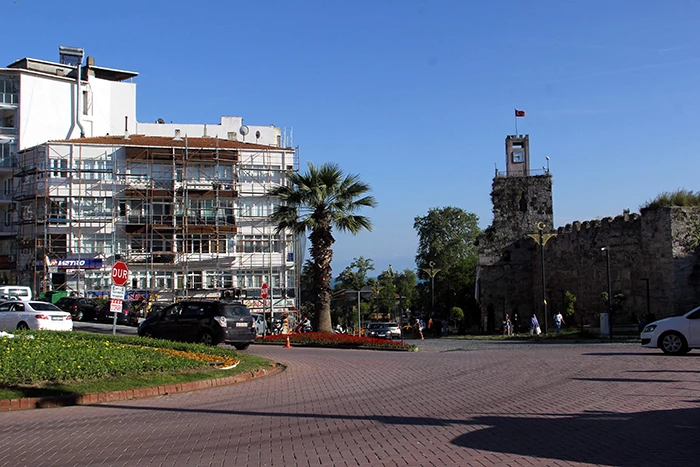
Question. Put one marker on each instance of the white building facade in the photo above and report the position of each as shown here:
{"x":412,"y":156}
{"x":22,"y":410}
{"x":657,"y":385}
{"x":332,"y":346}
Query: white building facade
{"x":184,"y":205}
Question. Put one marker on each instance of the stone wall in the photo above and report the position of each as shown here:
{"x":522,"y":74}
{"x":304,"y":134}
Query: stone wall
{"x":658,"y":247}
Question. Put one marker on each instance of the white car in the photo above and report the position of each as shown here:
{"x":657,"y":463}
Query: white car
{"x":675,"y":335}
{"x":18,"y":314}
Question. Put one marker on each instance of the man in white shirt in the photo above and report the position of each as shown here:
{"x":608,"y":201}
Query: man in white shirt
{"x":558,"y":321}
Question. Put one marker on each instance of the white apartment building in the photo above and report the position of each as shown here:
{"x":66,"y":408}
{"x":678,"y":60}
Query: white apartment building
{"x":184,"y":205}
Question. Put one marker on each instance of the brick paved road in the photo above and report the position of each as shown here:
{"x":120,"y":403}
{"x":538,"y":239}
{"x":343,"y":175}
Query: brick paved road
{"x":454,"y":404}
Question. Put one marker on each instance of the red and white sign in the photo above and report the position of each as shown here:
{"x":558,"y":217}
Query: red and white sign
{"x":263,"y":291}
{"x":115,"y":306}
{"x":120,"y":273}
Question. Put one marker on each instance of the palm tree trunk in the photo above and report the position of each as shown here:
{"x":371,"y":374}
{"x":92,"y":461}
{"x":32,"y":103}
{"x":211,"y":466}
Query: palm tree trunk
{"x":322,"y":254}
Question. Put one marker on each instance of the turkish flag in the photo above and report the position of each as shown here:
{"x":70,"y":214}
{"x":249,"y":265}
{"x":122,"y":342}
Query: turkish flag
{"x":519,"y":113}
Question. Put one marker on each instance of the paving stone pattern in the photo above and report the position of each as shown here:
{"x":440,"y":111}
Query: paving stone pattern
{"x":454,"y":403}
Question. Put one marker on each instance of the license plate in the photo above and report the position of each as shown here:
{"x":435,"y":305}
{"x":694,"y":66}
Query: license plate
{"x":241,"y":325}
{"x":57,"y":318}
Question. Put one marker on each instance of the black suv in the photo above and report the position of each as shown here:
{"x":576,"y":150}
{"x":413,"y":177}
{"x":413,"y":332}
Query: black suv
{"x":82,"y":309}
{"x":207,"y":321}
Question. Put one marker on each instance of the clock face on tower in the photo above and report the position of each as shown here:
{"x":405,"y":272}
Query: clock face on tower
{"x":519,"y":156}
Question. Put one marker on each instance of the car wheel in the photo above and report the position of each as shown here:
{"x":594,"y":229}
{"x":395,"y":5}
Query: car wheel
{"x":147,"y":333}
{"x":22,"y":326}
{"x":206,"y":338}
{"x":673,"y":343}
{"x":80,"y":316}
{"x":241,"y":346}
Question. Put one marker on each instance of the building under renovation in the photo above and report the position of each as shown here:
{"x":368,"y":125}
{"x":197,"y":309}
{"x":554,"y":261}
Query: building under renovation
{"x":184,"y":205}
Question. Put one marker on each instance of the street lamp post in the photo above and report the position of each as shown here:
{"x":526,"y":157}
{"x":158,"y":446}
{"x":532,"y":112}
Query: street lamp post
{"x":541,"y":238}
{"x":607,"y":266}
{"x":364,"y":292}
{"x":431,"y":271}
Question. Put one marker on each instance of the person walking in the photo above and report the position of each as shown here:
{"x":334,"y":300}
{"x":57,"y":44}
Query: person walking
{"x":558,"y":321}
{"x":419,"y":328}
{"x":534,"y":325}
{"x":507,"y":326}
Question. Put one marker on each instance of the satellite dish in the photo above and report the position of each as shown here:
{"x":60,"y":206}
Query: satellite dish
{"x":160,"y":121}
{"x":244,"y":130}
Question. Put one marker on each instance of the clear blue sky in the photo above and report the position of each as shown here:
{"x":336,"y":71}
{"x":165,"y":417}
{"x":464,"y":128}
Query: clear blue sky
{"x":415,"y":96}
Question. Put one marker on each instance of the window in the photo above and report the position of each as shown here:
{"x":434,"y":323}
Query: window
{"x":258,"y":244}
{"x":87,"y":102}
{"x":56,"y":165}
{"x":58,"y":208}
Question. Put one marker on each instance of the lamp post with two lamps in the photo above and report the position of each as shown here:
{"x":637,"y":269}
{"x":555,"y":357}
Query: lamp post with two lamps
{"x":606,"y":249}
{"x":432,"y":271}
{"x":541,"y":238}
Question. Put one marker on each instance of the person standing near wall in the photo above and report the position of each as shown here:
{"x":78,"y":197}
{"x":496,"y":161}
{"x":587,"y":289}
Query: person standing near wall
{"x":534,"y":325}
{"x":558,"y":321}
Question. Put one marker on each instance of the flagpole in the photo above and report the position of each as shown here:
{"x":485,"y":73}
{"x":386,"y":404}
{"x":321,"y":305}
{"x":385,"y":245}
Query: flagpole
{"x":515,"y":118}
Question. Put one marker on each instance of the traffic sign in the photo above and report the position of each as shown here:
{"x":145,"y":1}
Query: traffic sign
{"x":120,"y":273}
{"x":115,"y":306}
{"x":263,"y":291}
{"x":117,"y":292}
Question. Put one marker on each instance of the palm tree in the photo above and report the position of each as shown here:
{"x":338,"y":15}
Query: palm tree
{"x":318,"y":201}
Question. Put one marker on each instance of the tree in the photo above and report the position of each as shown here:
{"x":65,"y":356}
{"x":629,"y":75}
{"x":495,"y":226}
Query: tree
{"x":355,"y":275}
{"x":447,"y":237}
{"x":315,"y":202}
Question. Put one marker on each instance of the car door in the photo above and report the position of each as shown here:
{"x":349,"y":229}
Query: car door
{"x":6,"y":317}
{"x":694,"y":329}
{"x":165,"y":326}
{"x":188,"y":325}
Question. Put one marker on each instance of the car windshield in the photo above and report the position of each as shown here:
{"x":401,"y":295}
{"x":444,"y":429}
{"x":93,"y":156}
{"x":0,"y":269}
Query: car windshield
{"x":234,"y":311}
{"x":44,"y":306}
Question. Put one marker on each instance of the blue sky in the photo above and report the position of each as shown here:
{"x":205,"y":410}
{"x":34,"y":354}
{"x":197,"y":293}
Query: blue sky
{"x":415,"y":96}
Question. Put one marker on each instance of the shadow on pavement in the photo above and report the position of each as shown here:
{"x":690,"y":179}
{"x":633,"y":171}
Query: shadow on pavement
{"x":655,"y":438}
{"x":658,"y":438}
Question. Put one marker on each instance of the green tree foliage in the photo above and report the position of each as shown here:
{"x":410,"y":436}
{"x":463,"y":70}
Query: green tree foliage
{"x":456,"y":314}
{"x":306,"y":289}
{"x":354,"y":276}
{"x":569,"y":305}
{"x":316,"y":202}
{"x":447,"y":237}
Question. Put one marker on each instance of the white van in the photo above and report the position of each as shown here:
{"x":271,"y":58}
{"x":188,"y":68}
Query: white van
{"x":15,"y":292}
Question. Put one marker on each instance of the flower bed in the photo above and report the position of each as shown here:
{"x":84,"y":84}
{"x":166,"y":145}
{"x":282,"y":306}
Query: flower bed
{"x":334,"y":340}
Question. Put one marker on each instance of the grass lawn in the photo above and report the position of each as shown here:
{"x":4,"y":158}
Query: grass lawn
{"x":46,"y":363}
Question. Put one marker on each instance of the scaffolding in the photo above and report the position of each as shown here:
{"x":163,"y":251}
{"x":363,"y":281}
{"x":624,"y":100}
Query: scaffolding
{"x":189,"y":216}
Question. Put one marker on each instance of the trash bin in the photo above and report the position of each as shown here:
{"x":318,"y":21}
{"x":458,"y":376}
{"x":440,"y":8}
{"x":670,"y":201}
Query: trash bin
{"x":604,"y":325}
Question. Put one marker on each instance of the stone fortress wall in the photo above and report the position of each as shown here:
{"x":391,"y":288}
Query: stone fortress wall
{"x":654,"y":259}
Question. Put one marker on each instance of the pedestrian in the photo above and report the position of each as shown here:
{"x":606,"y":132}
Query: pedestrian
{"x":430,"y":326}
{"x":419,"y":328}
{"x":507,"y":326}
{"x":558,"y":321}
{"x":534,"y":325}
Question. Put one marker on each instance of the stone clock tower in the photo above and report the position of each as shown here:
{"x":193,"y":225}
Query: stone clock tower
{"x":517,"y":155}
{"x":509,"y":278}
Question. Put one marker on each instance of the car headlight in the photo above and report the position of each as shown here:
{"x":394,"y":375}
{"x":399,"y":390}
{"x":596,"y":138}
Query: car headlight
{"x":650,"y":328}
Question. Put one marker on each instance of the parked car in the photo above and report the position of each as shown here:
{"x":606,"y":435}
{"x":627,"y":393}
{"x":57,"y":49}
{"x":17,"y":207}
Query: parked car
{"x":128,"y":315}
{"x":18,"y":314}
{"x":394,"y":330}
{"x":15,"y":292}
{"x":378,"y":330}
{"x":675,"y":335}
{"x":207,"y":321}
{"x":82,"y":309}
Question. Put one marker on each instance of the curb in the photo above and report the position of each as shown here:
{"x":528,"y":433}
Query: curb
{"x":28,"y":403}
